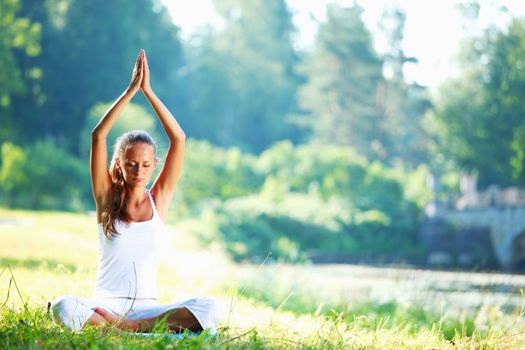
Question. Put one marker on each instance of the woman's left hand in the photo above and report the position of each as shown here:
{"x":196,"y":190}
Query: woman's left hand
{"x":138,"y":74}
{"x":145,"y":86}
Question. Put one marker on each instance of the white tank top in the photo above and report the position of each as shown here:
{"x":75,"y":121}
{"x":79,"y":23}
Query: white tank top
{"x":128,"y":261}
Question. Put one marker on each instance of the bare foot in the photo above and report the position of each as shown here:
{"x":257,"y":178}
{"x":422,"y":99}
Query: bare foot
{"x":117,"y":321}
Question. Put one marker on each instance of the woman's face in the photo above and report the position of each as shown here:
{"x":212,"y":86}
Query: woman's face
{"x":137,"y":164}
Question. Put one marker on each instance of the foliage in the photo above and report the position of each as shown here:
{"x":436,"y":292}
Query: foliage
{"x":42,"y":176}
{"x":213,"y":172}
{"x":19,"y":40}
{"x":343,"y":73}
{"x":18,"y":34}
{"x":243,"y":81}
{"x":299,"y":225}
{"x":481,"y":115}
{"x":332,"y":171}
{"x":402,"y":104}
{"x":133,"y":117}
{"x":88,"y":57}
{"x":293,"y":200}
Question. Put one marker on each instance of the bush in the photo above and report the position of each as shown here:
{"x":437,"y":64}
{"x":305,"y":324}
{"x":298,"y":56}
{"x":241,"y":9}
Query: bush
{"x":213,"y":172}
{"x":42,"y":176}
{"x":296,"y":224}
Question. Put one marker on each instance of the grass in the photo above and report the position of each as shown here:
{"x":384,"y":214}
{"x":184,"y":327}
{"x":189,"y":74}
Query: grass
{"x":265,"y":307}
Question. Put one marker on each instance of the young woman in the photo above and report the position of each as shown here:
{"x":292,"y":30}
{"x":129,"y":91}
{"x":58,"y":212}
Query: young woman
{"x":130,"y":225}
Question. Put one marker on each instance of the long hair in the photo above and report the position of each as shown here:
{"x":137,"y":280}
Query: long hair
{"x":116,"y":209}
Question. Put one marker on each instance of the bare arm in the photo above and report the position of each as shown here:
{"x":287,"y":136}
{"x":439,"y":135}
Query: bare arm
{"x":100,"y":177}
{"x":164,"y":186}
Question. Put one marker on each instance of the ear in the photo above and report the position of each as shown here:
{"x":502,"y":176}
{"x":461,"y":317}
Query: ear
{"x":117,"y":162}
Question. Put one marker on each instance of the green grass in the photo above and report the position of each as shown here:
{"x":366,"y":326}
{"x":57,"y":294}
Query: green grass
{"x":265,"y":307}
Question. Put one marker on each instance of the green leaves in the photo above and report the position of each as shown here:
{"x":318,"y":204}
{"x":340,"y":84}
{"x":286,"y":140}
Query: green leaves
{"x":18,"y":33}
{"x":482,"y":114}
{"x":243,"y":85}
{"x":43,"y":176}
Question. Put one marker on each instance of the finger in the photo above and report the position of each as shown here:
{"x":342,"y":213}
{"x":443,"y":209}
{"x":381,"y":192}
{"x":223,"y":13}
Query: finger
{"x":99,"y":310}
{"x":145,"y":61}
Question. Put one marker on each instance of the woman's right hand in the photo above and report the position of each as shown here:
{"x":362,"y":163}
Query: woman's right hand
{"x":138,"y":73}
{"x":145,"y":86}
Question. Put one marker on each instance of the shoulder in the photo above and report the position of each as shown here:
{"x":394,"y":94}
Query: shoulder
{"x":161,"y":203}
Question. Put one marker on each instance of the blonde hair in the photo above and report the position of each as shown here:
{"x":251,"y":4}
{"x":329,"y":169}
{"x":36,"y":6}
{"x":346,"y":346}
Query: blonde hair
{"x":117,"y":207}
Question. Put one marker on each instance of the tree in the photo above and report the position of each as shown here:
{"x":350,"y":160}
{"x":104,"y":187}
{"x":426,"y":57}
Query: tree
{"x":19,"y":34}
{"x":244,"y":79}
{"x":481,"y":114}
{"x":343,"y":75}
{"x":133,"y":117}
{"x":42,"y":176}
{"x":89,"y":48}
{"x":403,"y":104}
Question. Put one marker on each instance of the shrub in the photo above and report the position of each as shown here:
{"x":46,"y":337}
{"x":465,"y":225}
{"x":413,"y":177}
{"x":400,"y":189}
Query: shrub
{"x":42,"y":176}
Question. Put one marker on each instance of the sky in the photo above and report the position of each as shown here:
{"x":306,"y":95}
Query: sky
{"x":433,"y":28}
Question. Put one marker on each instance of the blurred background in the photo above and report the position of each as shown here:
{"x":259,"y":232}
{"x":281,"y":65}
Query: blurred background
{"x":326,"y":132}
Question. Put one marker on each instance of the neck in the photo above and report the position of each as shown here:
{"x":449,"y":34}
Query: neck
{"x":135,"y":195}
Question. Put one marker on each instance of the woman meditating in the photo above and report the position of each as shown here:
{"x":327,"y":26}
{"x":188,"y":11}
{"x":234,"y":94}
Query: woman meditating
{"x":131,"y":224}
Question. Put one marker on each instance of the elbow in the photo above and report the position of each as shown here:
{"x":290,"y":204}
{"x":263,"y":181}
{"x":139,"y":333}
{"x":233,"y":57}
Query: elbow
{"x":96,"y":134}
{"x":178,"y":137}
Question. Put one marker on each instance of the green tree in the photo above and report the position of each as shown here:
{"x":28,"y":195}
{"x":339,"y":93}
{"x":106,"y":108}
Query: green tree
{"x":343,"y":74}
{"x":42,"y":176}
{"x":89,"y":48}
{"x":402,"y":104}
{"x":481,"y":114}
{"x":244,"y":76}
{"x":18,"y":34}
{"x":133,"y":117}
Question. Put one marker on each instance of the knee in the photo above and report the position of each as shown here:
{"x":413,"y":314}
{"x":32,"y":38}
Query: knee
{"x":61,"y":303}
{"x":58,"y":304}
{"x":206,"y":310}
{"x":213,"y":306}
{"x":62,"y":308}
{"x":213,"y":314}
{"x":71,"y":311}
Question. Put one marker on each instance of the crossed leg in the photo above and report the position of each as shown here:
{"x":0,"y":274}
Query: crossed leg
{"x":178,"y":320}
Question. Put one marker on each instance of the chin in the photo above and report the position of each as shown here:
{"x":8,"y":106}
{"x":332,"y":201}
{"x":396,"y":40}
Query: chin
{"x":137,"y":183}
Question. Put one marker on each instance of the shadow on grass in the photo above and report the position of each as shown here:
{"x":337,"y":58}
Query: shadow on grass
{"x":32,"y":328}
{"x":369,"y":314}
{"x":45,"y":264}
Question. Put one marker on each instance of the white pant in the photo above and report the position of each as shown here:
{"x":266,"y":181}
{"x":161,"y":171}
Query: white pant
{"x":74,"y":311}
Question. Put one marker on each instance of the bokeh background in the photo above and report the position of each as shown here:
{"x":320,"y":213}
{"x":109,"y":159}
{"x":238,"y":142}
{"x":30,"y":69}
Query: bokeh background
{"x":313,"y":134}
{"x":385,"y":137}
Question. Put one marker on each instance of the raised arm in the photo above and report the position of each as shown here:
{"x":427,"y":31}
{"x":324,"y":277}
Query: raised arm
{"x":164,"y":186}
{"x":100,"y":177}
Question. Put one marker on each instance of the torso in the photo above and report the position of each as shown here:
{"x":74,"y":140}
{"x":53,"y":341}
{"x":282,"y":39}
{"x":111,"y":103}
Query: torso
{"x":128,"y":261}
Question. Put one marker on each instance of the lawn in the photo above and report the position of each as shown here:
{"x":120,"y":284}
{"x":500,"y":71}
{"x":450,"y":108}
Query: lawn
{"x":266,"y":306}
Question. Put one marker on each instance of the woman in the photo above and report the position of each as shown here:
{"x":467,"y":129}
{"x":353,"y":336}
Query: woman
{"x":130,"y":223}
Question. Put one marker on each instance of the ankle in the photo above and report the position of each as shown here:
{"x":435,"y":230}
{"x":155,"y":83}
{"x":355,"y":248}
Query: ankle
{"x":132,"y":325}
